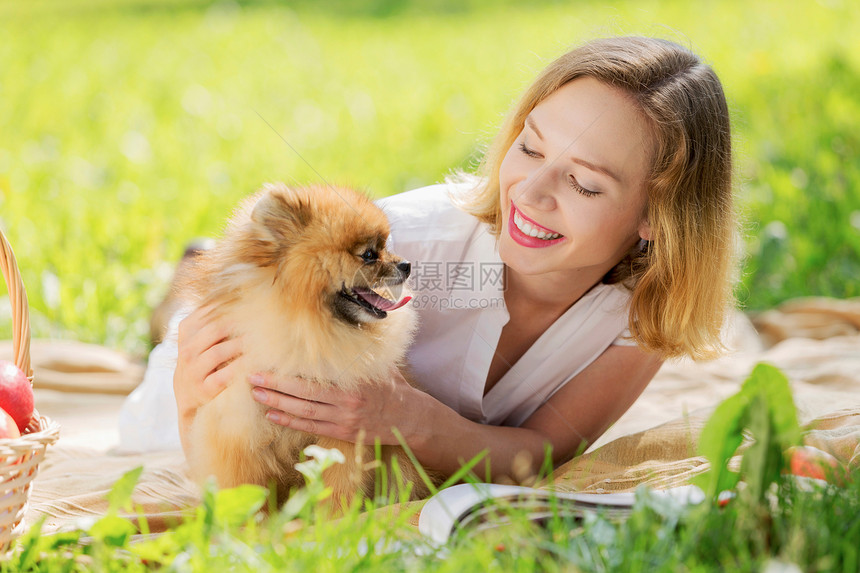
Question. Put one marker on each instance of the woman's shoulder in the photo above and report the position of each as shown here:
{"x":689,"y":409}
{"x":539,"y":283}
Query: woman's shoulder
{"x":429,"y":212}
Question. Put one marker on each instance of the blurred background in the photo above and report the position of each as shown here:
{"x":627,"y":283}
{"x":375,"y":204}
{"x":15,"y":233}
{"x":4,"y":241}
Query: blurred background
{"x":129,"y":127}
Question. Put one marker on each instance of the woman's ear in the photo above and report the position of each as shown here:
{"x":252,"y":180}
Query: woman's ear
{"x":645,"y":230}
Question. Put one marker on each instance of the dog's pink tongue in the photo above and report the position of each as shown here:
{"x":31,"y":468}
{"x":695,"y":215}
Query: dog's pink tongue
{"x":379,"y":302}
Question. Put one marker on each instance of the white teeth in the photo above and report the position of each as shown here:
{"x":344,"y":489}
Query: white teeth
{"x":531,"y":231}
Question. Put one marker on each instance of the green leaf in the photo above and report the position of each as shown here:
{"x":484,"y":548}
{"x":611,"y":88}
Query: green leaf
{"x":158,"y":548}
{"x":764,"y":406}
{"x":772,"y":420}
{"x":30,"y":545}
{"x":296,"y":504}
{"x":206,"y":510}
{"x":720,"y":438}
{"x":234,"y":506}
{"x":756,"y":465}
{"x":61,"y":539}
{"x":120,"y":495}
{"x":775,"y":387}
{"x":113,"y":530}
{"x":422,"y":473}
{"x":460,"y":474}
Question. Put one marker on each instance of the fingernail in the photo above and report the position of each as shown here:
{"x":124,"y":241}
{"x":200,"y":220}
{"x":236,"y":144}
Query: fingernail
{"x":273,"y":416}
{"x":259,"y":394}
{"x":256,"y":379}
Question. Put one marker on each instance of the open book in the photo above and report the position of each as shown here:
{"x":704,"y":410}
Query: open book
{"x":479,"y":506}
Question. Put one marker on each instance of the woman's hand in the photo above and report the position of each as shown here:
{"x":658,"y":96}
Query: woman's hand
{"x":205,"y":364}
{"x":367,"y":413}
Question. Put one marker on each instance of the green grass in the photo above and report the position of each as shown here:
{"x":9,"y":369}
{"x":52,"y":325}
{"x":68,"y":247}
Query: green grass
{"x":656,"y":538}
{"x":131,"y":127}
{"x":809,"y":525}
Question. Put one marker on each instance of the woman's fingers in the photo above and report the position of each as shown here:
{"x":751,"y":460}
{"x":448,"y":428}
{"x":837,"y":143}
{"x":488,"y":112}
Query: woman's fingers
{"x":217,"y":380}
{"x":200,"y":331}
{"x":221,"y":354}
{"x":194,"y":322}
{"x":207,"y":359}
{"x":296,"y":407}
{"x":308,"y":406}
{"x":369,"y":411}
{"x":298,"y":387}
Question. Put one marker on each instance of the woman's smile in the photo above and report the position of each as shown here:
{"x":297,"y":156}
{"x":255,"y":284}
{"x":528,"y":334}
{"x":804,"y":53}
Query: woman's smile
{"x":529,"y":233}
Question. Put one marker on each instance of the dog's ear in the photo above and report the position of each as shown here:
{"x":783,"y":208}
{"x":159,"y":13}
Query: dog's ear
{"x":267,"y":224}
{"x":282,"y":211}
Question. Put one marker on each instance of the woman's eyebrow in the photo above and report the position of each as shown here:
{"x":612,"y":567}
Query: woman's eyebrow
{"x":531,"y":123}
{"x":587,"y":164}
{"x":597,"y":168}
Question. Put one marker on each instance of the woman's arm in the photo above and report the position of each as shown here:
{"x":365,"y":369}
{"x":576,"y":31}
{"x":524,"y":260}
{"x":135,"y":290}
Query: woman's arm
{"x":442,"y":439}
{"x":582,"y":410}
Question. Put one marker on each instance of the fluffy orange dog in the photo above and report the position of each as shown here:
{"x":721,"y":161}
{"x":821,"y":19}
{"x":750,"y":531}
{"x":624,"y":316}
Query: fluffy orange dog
{"x":303,"y":276}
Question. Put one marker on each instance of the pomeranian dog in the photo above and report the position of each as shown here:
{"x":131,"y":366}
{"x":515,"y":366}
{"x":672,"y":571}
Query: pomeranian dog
{"x":303,"y":276}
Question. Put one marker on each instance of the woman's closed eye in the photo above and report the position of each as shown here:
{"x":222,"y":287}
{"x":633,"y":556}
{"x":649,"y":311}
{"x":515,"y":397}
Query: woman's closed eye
{"x":574,"y":184}
{"x":528,"y":151}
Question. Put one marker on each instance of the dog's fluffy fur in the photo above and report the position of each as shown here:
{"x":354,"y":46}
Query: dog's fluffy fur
{"x":289,"y":275}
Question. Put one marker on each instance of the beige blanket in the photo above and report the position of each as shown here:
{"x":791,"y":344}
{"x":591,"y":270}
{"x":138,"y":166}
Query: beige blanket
{"x":816,"y":342}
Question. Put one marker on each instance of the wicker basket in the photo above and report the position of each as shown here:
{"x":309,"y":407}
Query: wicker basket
{"x":20,"y":457}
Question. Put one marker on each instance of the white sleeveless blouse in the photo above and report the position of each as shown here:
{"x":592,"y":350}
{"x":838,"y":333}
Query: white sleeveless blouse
{"x":458,"y":292}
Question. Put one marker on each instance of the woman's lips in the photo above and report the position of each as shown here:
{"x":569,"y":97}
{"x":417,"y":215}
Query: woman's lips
{"x":521,"y":238}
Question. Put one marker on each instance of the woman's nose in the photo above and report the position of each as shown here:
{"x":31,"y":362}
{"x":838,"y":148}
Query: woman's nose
{"x":538,"y":188}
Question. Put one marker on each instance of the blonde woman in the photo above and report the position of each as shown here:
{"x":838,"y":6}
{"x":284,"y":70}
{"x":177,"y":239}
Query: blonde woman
{"x":605,"y":205}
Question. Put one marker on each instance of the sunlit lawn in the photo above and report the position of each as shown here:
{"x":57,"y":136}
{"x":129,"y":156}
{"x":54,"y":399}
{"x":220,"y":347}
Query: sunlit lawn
{"x":128,"y":128}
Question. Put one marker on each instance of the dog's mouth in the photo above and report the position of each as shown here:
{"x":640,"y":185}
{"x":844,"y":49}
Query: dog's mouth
{"x":377,"y":302}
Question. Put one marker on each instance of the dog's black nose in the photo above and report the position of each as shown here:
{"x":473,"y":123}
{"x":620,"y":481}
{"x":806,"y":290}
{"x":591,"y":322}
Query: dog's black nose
{"x":405,"y":268}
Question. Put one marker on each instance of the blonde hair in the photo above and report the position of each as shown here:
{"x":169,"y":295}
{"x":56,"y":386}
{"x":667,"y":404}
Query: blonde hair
{"x":681,"y":281}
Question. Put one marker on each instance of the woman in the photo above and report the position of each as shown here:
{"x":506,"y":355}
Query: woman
{"x":606,"y":199}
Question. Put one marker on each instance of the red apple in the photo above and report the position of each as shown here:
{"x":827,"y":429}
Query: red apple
{"x":807,"y":461}
{"x":8,"y":427}
{"x":16,"y":394}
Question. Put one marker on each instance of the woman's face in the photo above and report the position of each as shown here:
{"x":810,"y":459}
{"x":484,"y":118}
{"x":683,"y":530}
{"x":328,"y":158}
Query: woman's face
{"x":573,"y":183}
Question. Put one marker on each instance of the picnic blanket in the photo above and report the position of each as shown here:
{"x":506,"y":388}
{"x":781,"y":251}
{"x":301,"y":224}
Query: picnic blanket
{"x":816,"y":342}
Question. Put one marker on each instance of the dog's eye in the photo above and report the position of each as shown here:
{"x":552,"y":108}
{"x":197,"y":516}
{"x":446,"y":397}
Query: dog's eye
{"x":369,"y":256}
